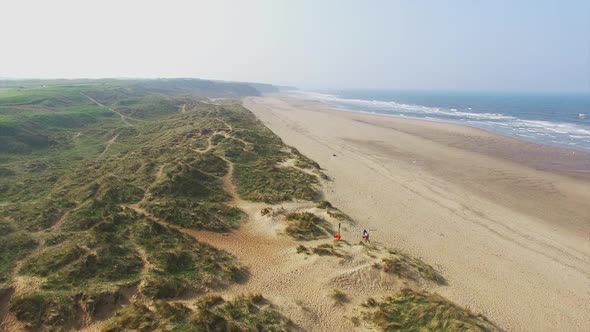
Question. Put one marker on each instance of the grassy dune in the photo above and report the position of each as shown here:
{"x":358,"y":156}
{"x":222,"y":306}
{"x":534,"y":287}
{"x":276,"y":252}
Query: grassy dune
{"x":70,"y":168}
{"x":102,"y":183}
{"x":244,"y":313}
{"x":416,"y":311}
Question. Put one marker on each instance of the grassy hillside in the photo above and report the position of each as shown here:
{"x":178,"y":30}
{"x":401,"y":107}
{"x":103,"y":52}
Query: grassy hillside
{"x":81,"y":164}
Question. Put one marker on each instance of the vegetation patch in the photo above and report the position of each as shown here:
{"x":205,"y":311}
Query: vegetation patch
{"x":338,"y":296}
{"x":307,"y":226}
{"x":409,"y":267}
{"x":303,"y":161}
{"x":414,"y":311}
{"x":326,"y":249}
{"x":189,"y":213}
{"x":53,"y":311}
{"x":181,"y":264}
{"x":191,"y":195}
{"x":256,"y":174}
{"x":244,"y":313}
{"x":334,"y":212}
{"x":14,"y":245}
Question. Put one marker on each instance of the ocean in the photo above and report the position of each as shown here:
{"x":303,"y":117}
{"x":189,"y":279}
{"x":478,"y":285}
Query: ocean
{"x":554,"y":119}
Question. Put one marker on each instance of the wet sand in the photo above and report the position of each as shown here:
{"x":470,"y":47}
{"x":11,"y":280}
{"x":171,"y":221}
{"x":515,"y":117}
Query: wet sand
{"x":505,"y":221}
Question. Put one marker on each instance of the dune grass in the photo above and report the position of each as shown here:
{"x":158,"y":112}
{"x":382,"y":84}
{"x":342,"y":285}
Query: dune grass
{"x":409,"y":267}
{"x":59,"y":179}
{"x":327,"y":249}
{"x":307,"y":226}
{"x":334,"y":212}
{"x":180,"y":264}
{"x":244,"y":313}
{"x":338,"y":296}
{"x":415,"y":311}
{"x":14,"y":245}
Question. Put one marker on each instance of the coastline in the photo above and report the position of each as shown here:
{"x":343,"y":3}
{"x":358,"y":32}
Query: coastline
{"x":571,"y":161}
{"x":507,"y":224}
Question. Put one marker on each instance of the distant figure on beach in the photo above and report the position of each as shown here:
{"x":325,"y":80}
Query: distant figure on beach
{"x":366,"y":236}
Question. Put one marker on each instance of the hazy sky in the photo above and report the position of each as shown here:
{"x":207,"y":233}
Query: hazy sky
{"x":499,"y":45}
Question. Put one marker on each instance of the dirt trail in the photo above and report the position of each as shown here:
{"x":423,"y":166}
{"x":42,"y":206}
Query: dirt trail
{"x":124,"y":117}
{"x":63,"y":218}
{"x":228,"y":183}
{"x":108,"y":146}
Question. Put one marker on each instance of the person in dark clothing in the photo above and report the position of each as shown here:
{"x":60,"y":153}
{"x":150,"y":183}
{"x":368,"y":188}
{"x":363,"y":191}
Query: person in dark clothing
{"x":366,"y":236}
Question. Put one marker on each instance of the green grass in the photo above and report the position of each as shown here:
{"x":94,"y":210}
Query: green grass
{"x":415,"y":311}
{"x":307,"y":226}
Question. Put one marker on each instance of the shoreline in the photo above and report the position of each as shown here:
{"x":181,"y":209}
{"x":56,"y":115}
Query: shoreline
{"x":523,"y":140}
{"x":358,"y":109}
{"x":507,"y":236}
{"x":578,"y":166}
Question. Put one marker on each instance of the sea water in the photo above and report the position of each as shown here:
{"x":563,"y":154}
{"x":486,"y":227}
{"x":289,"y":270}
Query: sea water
{"x":549,"y":118}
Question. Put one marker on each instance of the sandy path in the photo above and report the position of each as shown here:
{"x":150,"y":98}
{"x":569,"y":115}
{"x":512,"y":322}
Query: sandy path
{"x":490,"y":225}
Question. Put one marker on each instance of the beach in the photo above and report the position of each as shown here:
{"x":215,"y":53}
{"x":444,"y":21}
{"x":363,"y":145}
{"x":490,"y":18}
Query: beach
{"x":506,"y":222}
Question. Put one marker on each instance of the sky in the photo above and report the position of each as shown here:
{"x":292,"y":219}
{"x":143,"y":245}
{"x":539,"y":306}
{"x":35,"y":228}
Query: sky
{"x":450,"y":45}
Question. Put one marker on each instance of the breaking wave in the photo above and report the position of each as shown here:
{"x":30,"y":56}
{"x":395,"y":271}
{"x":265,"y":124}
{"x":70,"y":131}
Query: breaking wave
{"x":540,"y":131}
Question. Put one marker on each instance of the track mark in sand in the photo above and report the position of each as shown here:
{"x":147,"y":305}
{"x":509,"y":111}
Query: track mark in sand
{"x":124,"y":117}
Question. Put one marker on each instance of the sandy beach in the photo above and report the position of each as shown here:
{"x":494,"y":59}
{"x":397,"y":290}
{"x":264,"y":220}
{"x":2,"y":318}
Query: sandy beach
{"x":506,"y":222}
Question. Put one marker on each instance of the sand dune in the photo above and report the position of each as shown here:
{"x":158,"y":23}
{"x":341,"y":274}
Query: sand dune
{"x":506,"y":222}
